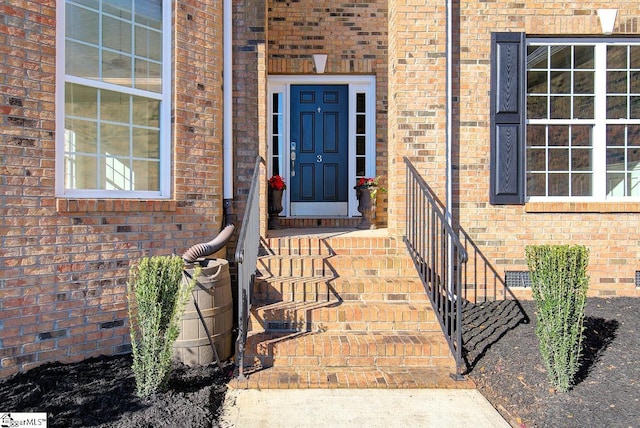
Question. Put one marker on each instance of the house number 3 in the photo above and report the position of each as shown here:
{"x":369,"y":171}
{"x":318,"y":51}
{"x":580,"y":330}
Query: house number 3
{"x":318,"y":158}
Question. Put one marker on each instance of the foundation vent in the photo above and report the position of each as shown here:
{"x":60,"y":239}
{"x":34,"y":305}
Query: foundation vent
{"x":638,"y":279}
{"x":520,"y":278}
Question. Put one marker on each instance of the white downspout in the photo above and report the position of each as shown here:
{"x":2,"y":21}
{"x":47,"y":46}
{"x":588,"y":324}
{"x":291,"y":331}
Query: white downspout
{"x":227,"y":118}
{"x":449,"y":137}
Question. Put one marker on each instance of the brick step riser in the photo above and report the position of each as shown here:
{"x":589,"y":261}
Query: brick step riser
{"x":347,"y":247}
{"x":314,"y":362}
{"x":302,"y":326}
{"x":323,"y":291}
{"x":330,"y":271}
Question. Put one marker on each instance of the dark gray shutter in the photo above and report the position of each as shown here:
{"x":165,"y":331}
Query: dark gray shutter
{"x":508,"y":70}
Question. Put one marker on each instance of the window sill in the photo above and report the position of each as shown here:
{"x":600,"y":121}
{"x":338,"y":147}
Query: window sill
{"x":582,"y":207}
{"x":114,"y":205}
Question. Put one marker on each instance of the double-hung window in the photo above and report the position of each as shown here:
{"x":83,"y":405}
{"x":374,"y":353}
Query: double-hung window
{"x":565,"y":119}
{"x":114,"y":99}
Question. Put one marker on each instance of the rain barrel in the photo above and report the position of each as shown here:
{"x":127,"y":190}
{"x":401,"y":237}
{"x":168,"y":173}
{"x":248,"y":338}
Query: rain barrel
{"x":212,"y":293}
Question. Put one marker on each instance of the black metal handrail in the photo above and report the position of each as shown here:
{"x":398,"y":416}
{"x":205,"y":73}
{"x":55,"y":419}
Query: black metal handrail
{"x":247,"y":258}
{"x":438,"y":256}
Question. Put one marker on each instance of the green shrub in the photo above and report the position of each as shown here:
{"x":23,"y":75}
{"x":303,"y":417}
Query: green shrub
{"x":559,"y":283}
{"x":157,"y":297}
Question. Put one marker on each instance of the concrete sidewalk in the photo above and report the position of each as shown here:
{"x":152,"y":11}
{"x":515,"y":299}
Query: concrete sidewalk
{"x":371,"y":408}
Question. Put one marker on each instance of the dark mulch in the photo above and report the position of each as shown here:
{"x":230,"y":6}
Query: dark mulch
{"x":100,"y":392}
{"x":504,"y":361}
{"x":501,"y":353}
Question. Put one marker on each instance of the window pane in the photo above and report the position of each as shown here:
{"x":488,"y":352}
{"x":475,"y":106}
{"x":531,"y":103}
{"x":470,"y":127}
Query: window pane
{"x":116,"y":34}
{"x":81,"y":136}
{"x":615,"y":135}
{"x":148,"y":43}
{"x":360,"y":103}
{"x":616,"y":57}
{"x":114,"y":140}
{"x":146,"y":175}
{"x":558,"y":184}
{"x":82,"y":24}
{"x":119,"y":8}
{"x":537,"y":82}
{"x":634,"y":56}
{"x":581,"y":160}
{"x":615,"y":184}
{"x":537,"y":57}
{"x":581,"y":185}
{"x":580,"y":135}
{"x":81,"y":172}
{"x":633,"y":158}
{"x":116,"y":174}
{"x":561,"y":57}
{"x":633,"y":183}
{"x":615,"y":159}
{"x":584,"y":57}
{"x":583,"y":82}
{"x":81,"y":101}
{"x":114,"y":107}
{"x":536,"y":160}
{"x":634,"y":112}
{"x":360,"y":167}
{"x":633,"y":135}
{"x":536,"y":135}
{"x":617,"y":82}
{"x":558,"y":135}
{"x":148,"y":76}
{"x":560,"y":107}
{"x":560,"y":82}
{"x":616,"y":107}
{"x":116,"y":68}
{"x":81,"y":60}
{"x":360,"y":145}
{"x":149,"y":13}
{"x":583,"y":107}
{"x":536,"y":107}
{"x":558,"y":160}
{"x":360,"y":124}
{"x":146,"y":143}
{"x":146,"y":112}
{"x":536,"y":185}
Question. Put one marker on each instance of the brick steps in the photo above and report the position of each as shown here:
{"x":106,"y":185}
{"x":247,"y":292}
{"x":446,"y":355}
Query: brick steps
{"x":349,"y":349}
{"x":342,"y":309}
{"x":344,"y":316}
{"x":350,"y":377}
{"x":329,"y":288}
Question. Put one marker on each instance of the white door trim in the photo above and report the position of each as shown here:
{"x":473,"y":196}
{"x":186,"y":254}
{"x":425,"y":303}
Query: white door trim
{"x":357,"y":84}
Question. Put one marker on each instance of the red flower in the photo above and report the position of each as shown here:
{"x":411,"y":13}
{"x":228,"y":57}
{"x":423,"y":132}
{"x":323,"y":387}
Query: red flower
{"x":276,"y":182}
{"x":363,"y":181}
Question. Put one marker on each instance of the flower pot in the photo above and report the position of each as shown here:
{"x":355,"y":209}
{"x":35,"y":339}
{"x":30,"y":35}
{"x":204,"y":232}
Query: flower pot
{"x":275,"y":207}
{"x":366,"y":206}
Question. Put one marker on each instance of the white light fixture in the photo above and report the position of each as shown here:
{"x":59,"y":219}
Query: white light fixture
{"x":607,"y":19}
{"x":320,"y":60}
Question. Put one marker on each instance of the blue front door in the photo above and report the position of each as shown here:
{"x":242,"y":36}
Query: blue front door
{"x":319,"y":149}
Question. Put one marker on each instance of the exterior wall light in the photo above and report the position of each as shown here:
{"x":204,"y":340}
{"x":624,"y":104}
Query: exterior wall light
{"x":320,"y":60}
{"x":607,"y":19}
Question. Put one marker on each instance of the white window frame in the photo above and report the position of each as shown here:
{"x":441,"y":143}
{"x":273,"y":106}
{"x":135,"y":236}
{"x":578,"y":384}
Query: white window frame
{"x":357,"y":84}
{"x":165,"y":114}
{"x":599,"y":121}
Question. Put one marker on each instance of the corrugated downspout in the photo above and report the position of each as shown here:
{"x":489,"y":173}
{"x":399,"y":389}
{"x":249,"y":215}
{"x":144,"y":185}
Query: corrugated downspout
{"x":227,"y":72}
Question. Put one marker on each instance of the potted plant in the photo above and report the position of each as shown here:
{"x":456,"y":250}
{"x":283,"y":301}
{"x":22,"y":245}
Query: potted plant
{"x":366,"y":191}
{"x":276,"y":188}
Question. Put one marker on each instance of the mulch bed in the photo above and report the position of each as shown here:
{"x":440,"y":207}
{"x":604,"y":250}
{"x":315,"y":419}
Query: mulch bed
{"x":503,"y":358}
{"x":501,"y":351}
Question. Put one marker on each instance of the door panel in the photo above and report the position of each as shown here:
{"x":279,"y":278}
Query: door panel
{"x":319,"y":129}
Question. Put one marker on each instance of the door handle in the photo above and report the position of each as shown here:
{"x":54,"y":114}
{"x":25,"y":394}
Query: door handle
{"x":292,"y":156}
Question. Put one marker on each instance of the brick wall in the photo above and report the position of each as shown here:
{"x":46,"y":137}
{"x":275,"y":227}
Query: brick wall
{"x":64,"y":263}
{"x":417,"y":130}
